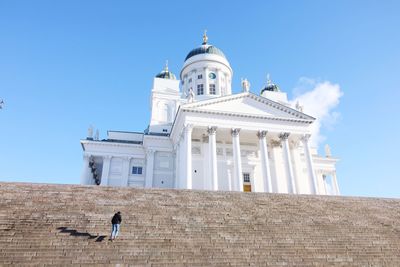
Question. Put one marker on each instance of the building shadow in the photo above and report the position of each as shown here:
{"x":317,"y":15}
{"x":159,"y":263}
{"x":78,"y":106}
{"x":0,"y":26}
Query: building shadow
{"x":72,"y":232}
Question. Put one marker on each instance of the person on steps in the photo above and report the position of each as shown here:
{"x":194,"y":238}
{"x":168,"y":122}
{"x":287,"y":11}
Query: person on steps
{"x":116,"y":221}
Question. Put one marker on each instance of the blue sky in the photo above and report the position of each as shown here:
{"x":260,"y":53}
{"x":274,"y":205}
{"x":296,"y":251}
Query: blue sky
{"x":67,"y":64}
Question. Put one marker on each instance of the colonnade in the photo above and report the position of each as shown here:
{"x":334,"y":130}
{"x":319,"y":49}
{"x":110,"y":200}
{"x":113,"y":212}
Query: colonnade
{"x":184,"y":167}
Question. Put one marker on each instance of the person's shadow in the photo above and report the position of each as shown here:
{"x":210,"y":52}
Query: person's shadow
{"x":73,"y":232}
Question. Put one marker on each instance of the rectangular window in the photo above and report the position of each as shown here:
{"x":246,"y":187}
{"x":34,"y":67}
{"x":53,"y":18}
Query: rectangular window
{"x":246,"y":177}
{"x":137,"y":170}
{"x":200,"y":89}
{"x":200,"y":76}
{"x":212,"y":89}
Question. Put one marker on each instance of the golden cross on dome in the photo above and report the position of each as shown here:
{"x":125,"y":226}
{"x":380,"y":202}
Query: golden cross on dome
{"x":166,"y":65}
{"x":269,"y":82}
{"x":205,"y":38}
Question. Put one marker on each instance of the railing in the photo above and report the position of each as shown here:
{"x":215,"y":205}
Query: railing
{"x":93,"y":168}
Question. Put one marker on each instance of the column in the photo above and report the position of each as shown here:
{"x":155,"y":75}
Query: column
{"x":177,"y":163}
{"x":125,"y":171}
{"x":229,"y":177}
{"x":266,"y":171}
{"x":182,"y":164}
{"x":187,"y":144}
{"x":237,"y":160}
{"x":335,"y":184}
{"x":228,"y":84}
{"x":288,"y":163}
{"x":85,"y":170}
{"x":218,"y":83}
{"x":213,"y":156}
{"x":310,"y":166}
{"x":149,"y":168}
{"x":324,"y":183}
{"x":206,"y":82}
{"x":106,"y":170}
{"x":297,"y":168}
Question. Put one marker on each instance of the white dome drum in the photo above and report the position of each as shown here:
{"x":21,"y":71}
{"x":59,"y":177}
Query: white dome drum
{"x":206,"y":72}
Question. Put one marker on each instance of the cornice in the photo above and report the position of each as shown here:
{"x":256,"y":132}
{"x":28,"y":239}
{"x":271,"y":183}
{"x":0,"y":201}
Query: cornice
{"x":245,"y":115}
{"x":112,"y":144}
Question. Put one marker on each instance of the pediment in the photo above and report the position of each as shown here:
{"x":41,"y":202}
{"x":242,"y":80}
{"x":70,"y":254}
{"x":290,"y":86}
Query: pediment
{"x":247,"y":104}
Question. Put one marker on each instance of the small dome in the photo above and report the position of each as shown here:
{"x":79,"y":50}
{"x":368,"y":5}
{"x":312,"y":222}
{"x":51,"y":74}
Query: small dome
{"x":166,"y":74}
{"x":205,"y":49}
{"x":270,"y":86}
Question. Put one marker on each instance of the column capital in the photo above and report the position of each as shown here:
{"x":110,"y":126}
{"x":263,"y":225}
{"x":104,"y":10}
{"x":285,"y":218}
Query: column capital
{"x":235,"y":131}
{"x":284,"y":136}
{"x":212,"y":130}
{"x":305,"y":137}
{"x":107,"y":157}
{"x":188,"y":127}
{"x":262,"y":134}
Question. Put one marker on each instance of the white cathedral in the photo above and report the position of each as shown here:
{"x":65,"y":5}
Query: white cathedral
{"x":203,"y":137}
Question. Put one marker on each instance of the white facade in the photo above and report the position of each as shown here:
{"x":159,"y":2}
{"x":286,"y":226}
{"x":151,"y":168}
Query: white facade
{"x":201,"y":136}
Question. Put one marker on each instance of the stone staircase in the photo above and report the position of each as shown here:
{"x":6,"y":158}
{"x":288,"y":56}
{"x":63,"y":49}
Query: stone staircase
{"x":61,"y":225}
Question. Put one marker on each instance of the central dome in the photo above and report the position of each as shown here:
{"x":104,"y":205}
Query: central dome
{"x":205,"y":49}
{"x":206,"y":72}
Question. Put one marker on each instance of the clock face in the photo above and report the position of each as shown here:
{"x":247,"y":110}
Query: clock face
{"x":212,"y":75}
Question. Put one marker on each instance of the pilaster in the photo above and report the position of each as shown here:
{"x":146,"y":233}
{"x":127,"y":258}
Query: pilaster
{"x":149,"y":168}
{"x":125,"y":170}
{"x":106,"y":170}
{"x":85,"y":170}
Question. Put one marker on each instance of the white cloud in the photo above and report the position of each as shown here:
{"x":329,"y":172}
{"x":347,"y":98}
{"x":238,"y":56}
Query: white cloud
{"x":319,"y":99}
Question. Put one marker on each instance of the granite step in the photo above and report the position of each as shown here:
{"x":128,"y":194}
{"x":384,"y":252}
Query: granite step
{"x":68,"y":224}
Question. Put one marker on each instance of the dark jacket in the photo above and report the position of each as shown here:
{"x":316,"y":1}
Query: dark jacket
{"x":116,"y":219}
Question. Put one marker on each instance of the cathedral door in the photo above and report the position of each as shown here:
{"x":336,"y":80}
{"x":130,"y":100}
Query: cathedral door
{"x":246,"y":182}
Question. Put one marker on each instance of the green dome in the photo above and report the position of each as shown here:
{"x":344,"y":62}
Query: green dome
{"x":205,"y":49}
{"x":166,"y":74}
{"x":270,"y":86}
